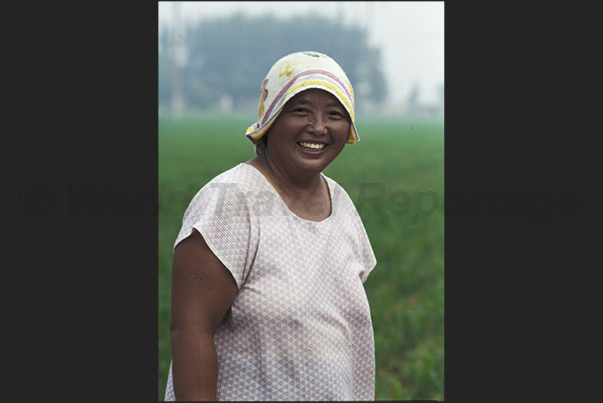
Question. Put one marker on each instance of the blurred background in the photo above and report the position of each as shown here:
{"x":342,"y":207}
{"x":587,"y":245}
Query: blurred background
{"x":212,"y":55}
{"x":212,"y":59}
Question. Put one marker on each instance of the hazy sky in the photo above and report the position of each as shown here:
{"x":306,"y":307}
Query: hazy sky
{"x":410,"y":34}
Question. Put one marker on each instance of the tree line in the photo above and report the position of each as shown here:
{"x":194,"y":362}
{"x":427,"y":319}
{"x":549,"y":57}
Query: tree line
{"x":229,"y":57}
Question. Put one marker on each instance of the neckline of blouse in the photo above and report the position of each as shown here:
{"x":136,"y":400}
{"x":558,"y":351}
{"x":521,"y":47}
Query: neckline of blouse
{"x":291,"y":213}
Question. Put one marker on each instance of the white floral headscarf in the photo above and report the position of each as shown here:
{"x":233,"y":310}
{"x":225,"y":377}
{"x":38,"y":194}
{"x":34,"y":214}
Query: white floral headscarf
{"x":293,"y":74}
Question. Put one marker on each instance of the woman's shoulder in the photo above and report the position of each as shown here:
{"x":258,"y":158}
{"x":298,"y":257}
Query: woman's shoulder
{"x":333,"y":183}
{"x":339,"y":195}
{"x":335,"y":187}
{"x":225,"y":190}
{"x":229,"y":185}
{"x":235,"y":173}
{"x":243,"y":177}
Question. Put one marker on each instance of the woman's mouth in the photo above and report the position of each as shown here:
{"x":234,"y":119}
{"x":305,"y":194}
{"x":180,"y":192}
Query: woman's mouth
{"x":311,"y":146}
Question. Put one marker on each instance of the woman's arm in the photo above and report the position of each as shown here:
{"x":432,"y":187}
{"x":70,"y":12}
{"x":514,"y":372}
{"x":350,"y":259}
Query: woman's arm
{"x":202,"y":292}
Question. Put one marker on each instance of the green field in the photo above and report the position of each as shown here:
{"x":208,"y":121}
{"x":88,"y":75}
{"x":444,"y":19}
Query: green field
{"x":398,"y":170}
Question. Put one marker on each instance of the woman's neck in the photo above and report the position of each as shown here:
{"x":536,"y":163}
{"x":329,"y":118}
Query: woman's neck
{"x":307,"y":195}
{"x":287,"y":182}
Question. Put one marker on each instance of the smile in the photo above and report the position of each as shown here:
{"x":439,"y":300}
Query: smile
{"x":311,"y":146}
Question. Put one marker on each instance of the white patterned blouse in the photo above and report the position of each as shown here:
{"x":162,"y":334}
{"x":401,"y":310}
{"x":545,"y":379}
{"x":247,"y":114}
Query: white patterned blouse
{"x":300,"y":325}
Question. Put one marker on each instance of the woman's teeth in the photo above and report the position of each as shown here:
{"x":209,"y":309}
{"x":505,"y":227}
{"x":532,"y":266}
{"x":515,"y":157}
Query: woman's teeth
{"x":313,"y":146}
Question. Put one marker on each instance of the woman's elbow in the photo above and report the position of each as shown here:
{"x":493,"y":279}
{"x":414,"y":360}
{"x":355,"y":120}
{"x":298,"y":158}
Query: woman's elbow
{"x":173,"y":326}
{"x":186,"y":327}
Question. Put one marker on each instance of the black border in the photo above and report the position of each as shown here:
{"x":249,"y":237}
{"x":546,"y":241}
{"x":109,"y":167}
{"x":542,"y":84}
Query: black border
{"x":84,"y":107}
{"x":516,"y":299}
{"x":84,"y":112}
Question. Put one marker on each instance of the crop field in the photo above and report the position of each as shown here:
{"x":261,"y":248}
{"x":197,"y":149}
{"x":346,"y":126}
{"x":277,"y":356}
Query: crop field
{"x":395,"y":176}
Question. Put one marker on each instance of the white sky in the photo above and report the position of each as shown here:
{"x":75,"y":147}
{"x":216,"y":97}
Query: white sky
{"x":410,"y":34}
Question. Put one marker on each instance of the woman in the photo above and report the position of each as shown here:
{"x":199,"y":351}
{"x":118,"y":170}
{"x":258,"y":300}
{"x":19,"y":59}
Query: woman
{"x":267,"y":281}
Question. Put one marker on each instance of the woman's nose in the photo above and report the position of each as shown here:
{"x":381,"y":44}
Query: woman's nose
{"x":318,"y":127}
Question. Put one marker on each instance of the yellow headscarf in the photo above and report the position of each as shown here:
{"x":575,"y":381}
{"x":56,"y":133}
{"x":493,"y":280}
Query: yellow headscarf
{"x":293,"y":74}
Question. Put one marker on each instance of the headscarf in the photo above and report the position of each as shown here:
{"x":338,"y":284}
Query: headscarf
{"x":293,"y":74}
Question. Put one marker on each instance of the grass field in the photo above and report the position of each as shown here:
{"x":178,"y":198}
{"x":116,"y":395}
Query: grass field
{"x":395,"y":175}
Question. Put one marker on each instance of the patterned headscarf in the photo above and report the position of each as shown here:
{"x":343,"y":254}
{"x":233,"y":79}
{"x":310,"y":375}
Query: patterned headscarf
{"x":293,"y":74}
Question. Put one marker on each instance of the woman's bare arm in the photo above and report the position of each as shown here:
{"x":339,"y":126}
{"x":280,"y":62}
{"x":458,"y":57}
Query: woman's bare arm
{"x":202,"y":292}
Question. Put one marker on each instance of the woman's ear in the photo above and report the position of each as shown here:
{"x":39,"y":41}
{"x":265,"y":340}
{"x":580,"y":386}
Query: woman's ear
{"x":260,"y":145}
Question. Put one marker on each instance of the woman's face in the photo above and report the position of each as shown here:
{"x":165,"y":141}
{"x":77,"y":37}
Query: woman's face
{"x":309,"y":133}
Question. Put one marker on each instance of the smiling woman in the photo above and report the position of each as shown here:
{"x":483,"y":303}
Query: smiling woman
{"x":269,"y":306}
{"x":303,"y":70}
{"x":309,"y":133}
